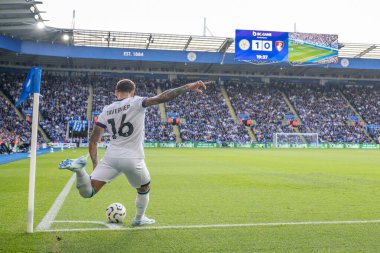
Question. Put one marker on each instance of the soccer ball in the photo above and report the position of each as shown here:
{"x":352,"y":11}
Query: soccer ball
{"x":116,"y":213}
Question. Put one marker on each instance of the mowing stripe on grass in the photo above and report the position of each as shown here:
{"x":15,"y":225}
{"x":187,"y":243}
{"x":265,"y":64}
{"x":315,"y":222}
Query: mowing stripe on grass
{"x":270,"y":224}
{"x":54,"y":209}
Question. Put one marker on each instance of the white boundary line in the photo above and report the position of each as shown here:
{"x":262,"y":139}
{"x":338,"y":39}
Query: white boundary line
{"x":270,"y":224}
{"x":46,"y":222}
{"x":106,"y":224}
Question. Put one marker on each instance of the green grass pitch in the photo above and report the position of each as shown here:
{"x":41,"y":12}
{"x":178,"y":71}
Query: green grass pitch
{"x":306,"y":53}
{"x":203,"y":187}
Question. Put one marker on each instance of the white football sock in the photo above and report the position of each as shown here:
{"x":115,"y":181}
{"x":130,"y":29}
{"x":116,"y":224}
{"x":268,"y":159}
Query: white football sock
{"x":142,"y":201}
{"x":84,"y":184}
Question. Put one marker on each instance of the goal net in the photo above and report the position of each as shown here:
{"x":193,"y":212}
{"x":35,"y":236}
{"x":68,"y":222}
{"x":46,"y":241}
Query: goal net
{"x":295,"y":140}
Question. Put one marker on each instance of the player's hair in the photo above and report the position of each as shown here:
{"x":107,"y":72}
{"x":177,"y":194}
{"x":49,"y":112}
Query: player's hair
{"x":125,"y":85}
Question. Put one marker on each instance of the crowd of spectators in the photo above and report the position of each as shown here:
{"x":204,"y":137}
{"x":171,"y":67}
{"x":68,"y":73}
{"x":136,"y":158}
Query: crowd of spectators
{"x":262,"y":103}
{"x":205,"y":118}
{"x":64,"y":98}
{"x":14,"y":132}
{"x":323,"y":110}
{"x":366,"y":101}
{"x":375,"y":133}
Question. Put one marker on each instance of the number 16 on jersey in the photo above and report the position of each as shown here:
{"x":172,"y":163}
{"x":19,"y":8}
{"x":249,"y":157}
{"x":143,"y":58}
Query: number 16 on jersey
{"x":262,"y":45}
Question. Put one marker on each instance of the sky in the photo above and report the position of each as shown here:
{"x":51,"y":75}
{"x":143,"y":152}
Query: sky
{"x":353,"y":21}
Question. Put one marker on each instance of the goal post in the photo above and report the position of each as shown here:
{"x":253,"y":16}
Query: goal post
{"x":295,"y":140}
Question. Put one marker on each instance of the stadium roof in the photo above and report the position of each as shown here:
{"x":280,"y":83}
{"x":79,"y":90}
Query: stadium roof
{"x":152,"y":41}
{"x":19,"y":19}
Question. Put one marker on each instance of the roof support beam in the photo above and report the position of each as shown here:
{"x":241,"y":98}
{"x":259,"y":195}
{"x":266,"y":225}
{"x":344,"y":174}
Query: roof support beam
{"x":225,"y":45}
{"x":188,"y":43}
{"x":372,"y":47}
{"x":149,"y":40}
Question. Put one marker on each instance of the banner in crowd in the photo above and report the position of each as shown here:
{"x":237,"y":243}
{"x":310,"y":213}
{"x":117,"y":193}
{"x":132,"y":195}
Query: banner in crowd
{"x":64,"y":145}
{"x":78,"y":125}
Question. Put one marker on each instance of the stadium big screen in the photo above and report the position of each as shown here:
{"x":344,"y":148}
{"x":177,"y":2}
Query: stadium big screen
{"x":269,"y":46}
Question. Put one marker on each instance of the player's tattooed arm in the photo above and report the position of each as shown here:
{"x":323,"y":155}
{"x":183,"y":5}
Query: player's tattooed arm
{"x":173,"y":93}
{"x":92,"y":147}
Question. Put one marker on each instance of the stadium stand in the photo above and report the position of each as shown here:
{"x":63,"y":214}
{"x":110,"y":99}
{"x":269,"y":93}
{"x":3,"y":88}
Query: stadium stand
{"x":366,"y":101}
{"x":205,"y":118}
{"x":13,"y":132}
{"x":264,"y":104}
{"x":323,"y":111}
{"x":64,"y":98}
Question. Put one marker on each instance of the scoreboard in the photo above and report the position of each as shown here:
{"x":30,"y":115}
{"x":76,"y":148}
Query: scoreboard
{"x":261,"y":45}
{"x":269,"y":46}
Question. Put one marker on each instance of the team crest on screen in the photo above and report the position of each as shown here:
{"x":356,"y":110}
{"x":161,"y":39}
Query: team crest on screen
{"x":279,"y":45}
{"x":244,"y":44}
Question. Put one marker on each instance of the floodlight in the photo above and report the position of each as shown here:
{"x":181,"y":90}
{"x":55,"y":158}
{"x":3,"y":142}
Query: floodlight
{"x":65,"y":37}
{"x":40,"y":25}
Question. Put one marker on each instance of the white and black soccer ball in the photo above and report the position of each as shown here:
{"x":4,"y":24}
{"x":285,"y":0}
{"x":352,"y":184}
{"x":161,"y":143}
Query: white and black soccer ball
{"x":116,"y":213}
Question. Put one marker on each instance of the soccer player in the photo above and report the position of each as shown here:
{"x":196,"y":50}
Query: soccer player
{"x":124,"y":119}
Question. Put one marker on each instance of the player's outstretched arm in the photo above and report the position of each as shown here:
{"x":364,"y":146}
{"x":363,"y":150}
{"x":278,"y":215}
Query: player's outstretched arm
{"x":173,"y":93}
{"x":92,"y":146}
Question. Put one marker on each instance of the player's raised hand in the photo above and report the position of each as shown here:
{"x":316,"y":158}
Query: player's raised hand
{"x":168,"y":95}
{"x":196,"y":86}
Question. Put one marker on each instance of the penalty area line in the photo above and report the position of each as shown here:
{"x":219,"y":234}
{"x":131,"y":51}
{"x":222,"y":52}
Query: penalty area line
{"x":269,"y":224}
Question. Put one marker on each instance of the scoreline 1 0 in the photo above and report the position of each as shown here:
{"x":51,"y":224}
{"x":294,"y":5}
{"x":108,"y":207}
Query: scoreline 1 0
{"x":262,"y":45}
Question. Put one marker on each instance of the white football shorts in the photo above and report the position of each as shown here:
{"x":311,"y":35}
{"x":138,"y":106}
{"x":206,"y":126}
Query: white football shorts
{"x":133,"y":168}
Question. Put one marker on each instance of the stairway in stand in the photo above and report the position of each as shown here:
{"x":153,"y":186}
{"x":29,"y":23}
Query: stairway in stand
{"x":89,"y":102}
{"x":233,"y":114}
{"x":364,"y":129}
{"x":293,"y":110}
{"x":164,"y":118}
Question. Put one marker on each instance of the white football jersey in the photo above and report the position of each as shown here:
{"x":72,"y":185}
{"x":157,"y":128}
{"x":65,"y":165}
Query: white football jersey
{"x":125,"y":121}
